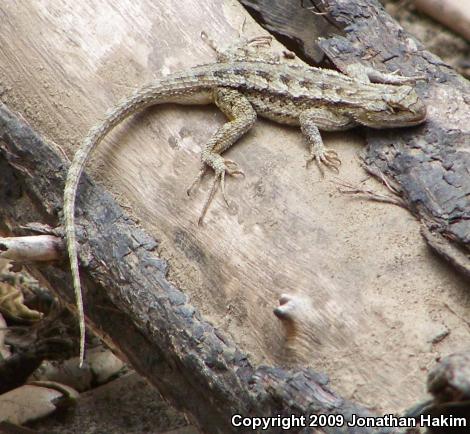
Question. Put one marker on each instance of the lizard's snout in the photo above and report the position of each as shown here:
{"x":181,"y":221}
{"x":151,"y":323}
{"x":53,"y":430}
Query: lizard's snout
{"x":419,"y":111}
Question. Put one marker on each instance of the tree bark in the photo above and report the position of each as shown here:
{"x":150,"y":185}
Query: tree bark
{"x":134,"y":307}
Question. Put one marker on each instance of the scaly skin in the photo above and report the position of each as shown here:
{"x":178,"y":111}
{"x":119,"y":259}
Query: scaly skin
{"x":312,"y":98}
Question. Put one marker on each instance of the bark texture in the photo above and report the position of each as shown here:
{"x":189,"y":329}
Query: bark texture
{"x":134,"y":307}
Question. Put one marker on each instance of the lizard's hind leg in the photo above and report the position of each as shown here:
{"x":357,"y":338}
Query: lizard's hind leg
{"x":257,"y":48}
{"x":241,"y":117}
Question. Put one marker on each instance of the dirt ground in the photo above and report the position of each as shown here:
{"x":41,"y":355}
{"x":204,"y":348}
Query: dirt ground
{"x":383,"y":308}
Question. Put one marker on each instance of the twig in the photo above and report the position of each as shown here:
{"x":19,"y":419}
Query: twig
{"x":369,"y":194}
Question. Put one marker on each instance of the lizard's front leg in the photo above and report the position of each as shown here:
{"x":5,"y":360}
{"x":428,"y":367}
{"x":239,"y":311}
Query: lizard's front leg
{"x":367,"y":74}
{"x":311,"y":120}
{"x":241,"y":117}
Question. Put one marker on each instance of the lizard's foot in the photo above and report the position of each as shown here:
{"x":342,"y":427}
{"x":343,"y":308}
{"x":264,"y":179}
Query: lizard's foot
{"x":230,"y":167}
{"x":255,"y":48}
{"x":12,"y":305}
{"x":323,"y":156}
{"x":226,"y":167}
{"x":366,"y":74}
{"x":197,"y":179}
{"x":260,"y":41}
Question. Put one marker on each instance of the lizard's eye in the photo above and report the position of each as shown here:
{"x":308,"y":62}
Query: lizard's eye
{"x":394,"y":108}
{"x":394,"y":104}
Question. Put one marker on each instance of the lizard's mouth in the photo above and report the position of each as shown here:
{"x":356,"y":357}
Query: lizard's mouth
{"x":415,"y":115}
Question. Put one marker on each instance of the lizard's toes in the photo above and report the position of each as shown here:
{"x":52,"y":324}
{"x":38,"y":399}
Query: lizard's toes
{"x":327,"y":157}
{"x":221,"y":167}
{"x":197,"y":179}
{"x":260,"y":41}
{"x":330,"y":159}
{"x":232,"y":168}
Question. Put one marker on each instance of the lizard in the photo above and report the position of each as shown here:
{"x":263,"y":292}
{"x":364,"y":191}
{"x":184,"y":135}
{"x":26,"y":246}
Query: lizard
{"x":308,"y":97}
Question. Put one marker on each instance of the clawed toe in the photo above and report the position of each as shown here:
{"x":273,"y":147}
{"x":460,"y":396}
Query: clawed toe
{"x":215,"y":184}
{"x":260,"y":41}
{"x":197,"y":180}
{"x":328,"y":158}
{"x":229,"y":167}
{"x":232,"y":168}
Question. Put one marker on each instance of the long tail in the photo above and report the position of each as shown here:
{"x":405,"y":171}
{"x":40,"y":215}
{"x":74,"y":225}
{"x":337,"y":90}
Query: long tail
{"x":70,"y":192}
{"x":163,"y":91}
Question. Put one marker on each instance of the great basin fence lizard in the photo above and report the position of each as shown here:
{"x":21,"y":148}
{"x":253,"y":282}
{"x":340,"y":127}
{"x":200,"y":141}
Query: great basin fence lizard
{"x":243,"y":87}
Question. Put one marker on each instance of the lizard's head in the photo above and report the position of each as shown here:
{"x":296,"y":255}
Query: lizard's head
{"x":401,"y":107}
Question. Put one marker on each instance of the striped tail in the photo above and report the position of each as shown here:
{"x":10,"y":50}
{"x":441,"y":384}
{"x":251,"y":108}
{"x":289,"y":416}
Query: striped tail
{"x":161,"y":91}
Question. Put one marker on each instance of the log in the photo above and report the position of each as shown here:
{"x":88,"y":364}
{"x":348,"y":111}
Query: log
{"x":429,"y":163}
{"x":281,"y":234}
{"x":137,"y":311}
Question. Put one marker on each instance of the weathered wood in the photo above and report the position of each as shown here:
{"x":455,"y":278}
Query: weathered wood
{"x":288,"y":230}
{"x":33,"y":248}
{"x":429,"y":163}
{"x":135,"y":308}
{"x":449,"y":383}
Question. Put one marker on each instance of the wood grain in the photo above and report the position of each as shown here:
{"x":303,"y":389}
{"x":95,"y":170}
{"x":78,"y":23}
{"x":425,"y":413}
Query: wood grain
{"x":288,"y":230}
